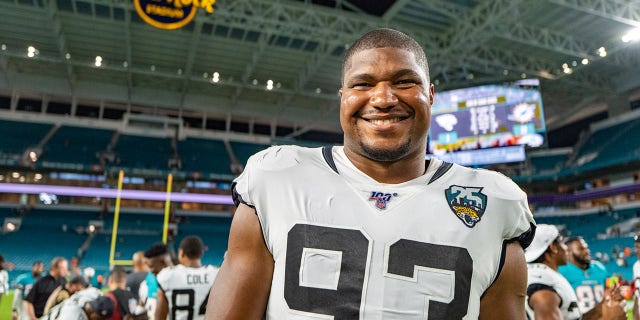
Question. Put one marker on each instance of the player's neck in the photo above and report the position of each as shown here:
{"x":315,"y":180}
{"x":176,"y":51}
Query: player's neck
{"x":192,"y":263}
{"x":551,"y":264}
{"x":391,"y":172}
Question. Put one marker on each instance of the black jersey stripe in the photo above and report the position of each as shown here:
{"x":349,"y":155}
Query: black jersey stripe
{"x":444,"y":167}
{"x":327,"y":154}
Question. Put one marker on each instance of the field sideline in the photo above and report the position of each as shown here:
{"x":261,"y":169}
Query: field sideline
{"x":5,"y":305}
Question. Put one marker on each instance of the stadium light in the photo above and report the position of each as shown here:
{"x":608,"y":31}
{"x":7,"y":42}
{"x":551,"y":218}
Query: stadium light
{"x":602,"y":51}
{"x":11,"y":225}
{"x":585,"y":61}
{"x":633,"y":35}
{"x":32,"y":51}
{"x":98,"y":61}
{"x":269,"y":85}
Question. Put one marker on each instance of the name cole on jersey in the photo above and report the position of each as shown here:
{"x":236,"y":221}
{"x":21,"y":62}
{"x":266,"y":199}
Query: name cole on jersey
{"x":187,"y":290}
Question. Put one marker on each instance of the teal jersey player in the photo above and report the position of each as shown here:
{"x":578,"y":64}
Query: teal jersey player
{"x":587,"y":277}
{"x":24,"y":283}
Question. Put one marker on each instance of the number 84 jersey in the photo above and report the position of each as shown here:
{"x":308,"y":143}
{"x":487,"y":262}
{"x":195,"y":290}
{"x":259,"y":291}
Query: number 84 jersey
{"x":348,"y":247}
{"x":187,"y":290}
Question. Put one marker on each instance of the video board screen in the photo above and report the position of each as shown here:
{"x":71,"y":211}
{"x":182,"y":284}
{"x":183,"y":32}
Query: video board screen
{"x":487,"y":116}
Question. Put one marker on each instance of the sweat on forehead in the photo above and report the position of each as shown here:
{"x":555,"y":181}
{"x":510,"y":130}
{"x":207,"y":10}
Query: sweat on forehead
{"x":385,"y":38}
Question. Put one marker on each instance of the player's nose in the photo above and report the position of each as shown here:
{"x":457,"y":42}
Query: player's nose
{"x":383,"y":96}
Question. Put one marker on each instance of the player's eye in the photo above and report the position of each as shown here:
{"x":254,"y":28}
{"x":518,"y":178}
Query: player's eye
{"x":406,"y":83}
{"x":361,"y":85}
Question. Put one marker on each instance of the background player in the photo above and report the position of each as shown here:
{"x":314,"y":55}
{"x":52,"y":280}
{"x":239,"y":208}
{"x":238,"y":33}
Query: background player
{"x":549,"y":294}
{"x":587,"y":277}
{"x":87,"y":304}
{"x":183,"y":289}
{"x":157,"y":257}
{"x":4,"y":278}
{"x":35,"y":301}
{"x":63,"y":293}
{"x":24,"y":282}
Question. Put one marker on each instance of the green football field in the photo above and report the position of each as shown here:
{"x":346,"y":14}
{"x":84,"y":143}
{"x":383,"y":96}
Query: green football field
{"x":5,"y":305}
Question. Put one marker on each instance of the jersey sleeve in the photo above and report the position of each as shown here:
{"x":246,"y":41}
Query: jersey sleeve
{"x":251,"y":182}
{"x":266,"y":172}
{"x":518,"y":220}
{"x":244,"y":185}
{"x":163,"y":277}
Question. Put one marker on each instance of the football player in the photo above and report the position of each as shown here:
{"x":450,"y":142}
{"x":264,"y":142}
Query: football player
{"x":24,"y":282}
{"x":587,"y":277}
{"x":371,"y":230}
{"x":183,"y":289}
{"x":549,"y":294}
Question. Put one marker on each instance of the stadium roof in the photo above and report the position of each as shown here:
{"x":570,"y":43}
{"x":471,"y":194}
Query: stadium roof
{"x":299,"y":44}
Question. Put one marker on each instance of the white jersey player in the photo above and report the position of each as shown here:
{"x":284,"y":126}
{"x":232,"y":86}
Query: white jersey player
{"x":183,"y":289}
{"x":371,"y":230}
{"x":73,"y":307}
{"x":549,"y":294}
{"x":542,"y":277}
{"x":431,"y":245}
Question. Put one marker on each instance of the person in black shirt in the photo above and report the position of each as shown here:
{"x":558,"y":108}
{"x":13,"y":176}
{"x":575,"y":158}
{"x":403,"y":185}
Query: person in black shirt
{"x":140,"y":272}
{"x":35,"y":301}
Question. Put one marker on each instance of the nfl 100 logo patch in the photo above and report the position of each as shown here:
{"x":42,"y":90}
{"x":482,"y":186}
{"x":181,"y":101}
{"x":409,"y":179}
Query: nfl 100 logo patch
{"x":381,"y":199}
{"x":468,"y":203}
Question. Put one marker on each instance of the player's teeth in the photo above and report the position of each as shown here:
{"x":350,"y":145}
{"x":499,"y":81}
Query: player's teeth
{"x":384,"y":121}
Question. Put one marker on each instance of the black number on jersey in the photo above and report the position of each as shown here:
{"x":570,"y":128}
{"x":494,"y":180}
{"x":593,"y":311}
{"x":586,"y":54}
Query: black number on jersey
{"x":343,"y":303}
{"x":404,"y":256}
{"x":190,"y":303}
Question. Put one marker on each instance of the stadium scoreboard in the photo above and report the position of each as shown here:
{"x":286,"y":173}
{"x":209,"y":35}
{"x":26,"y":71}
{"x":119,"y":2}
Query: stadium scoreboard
{"x":467,"y":123}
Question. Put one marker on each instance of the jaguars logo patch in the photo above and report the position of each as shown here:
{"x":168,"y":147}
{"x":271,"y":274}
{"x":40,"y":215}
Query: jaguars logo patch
{"x":468,"y":203}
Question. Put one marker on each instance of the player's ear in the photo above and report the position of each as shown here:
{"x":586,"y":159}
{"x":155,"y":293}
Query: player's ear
{"x":432,"y":90}
{"x":553,"y":247}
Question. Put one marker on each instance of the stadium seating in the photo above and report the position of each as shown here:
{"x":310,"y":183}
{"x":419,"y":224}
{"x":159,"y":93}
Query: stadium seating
{"x":548,"y":163}
{"x":624,"y":148}
{"x":143,"y":152}
{"x":204,"y":155}
{"x":609,"y":146}
{"x":136,"y":231}
{"x":34,"y":239}
{"x":244,"y":150}
{"x":18,"y":136}
{"x":77,"y":145}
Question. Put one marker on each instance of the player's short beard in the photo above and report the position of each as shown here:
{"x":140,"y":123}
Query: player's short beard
{"x":581,"y":262}
{"x":386,"y":155}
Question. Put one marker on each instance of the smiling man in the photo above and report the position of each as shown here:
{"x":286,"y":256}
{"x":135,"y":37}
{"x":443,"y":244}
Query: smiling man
{"x":371,"y":230}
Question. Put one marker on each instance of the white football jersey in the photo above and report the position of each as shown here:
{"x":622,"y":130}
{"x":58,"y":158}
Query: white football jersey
{"x":187,"y":290}
{"x":71,"y":309}
{"x":348,"y":247}
{"x":541,"y":277}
